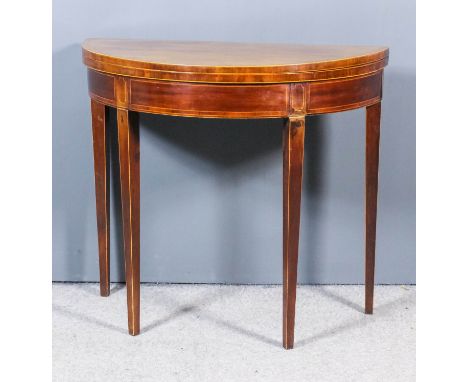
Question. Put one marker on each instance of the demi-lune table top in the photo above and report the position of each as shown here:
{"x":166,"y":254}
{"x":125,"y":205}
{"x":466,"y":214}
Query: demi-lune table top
{"x":221,"y":62}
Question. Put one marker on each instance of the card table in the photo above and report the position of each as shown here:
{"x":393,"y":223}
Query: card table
{"x":227,"y":80}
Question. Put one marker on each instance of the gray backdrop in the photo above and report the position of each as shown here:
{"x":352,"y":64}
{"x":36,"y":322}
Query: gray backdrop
{"x":211,"y":190}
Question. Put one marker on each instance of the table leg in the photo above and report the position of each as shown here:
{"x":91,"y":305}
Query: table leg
{"x":293,"y":155}
{"x":101,"y":181}
{"x":129,"y":160}
{"x":372,"y":173}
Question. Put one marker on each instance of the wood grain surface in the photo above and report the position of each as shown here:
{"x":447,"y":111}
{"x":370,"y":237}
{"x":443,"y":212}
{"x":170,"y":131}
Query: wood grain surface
{"x":129,"y":163}
{"x":223,"y":62}
{"x":101,"y":181}
{"x":372,"y":177}
{"x":293,"y":157}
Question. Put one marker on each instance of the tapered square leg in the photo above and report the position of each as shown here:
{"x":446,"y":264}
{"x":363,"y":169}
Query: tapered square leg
{"x":101,"y":180}
{"x":293,"y":156}
{"x":372,"y":174}
{"x":129,"y":160}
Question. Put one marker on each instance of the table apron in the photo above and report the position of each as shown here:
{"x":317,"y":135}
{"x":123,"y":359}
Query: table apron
{"x":234,"y":100}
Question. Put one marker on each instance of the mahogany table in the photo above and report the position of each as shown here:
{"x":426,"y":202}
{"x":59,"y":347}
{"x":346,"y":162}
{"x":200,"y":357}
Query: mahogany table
{"x":227,"y":80}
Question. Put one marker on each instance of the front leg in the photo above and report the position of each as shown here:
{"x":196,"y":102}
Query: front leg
{"x":101,"y":181}
{"x":293,"y":155}
{"x":129,"y":159}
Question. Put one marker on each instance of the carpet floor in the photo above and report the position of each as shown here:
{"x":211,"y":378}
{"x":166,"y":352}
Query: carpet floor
{"x":227,"y":333}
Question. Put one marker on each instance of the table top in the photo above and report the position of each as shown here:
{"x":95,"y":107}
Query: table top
{"x":223,"y":62}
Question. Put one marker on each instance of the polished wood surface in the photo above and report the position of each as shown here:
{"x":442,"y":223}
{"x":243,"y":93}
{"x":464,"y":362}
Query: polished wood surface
{"x":228,"y":80}
{"x":293,"y":157}
{"x":372,"y":176}
{"x":221,"y":62}
{"x":129,"y":162}
{"x":232,"y":101}
{"x":101,"y":180}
